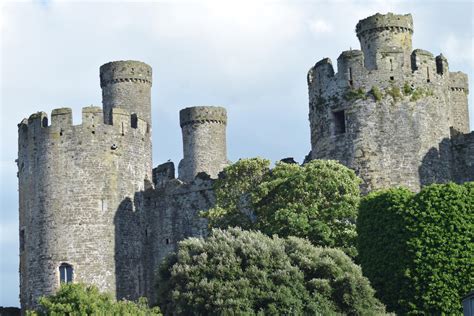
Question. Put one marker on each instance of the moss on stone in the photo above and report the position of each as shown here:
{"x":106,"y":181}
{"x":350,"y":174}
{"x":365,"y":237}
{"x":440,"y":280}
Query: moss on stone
{"x":375,"y":91}
{"x":395,"y":93}
{"x":407,"y":89}
{"x":353,"y":94}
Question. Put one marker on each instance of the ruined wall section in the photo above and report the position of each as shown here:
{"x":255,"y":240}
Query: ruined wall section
{"x":458,"y":99}
{"x":127,"y":85}
{"x":386,"y":40}
{"x":388,"y":111}
{"x":381,"y":122}
{"x":172,"y":215}
{"x":204,"y":141}
{"x":463,"y":157}
{"x":75,"y":183}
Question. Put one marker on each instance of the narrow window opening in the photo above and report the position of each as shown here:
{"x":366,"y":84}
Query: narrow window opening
{"x":44,"y":122}
{"x":339,"y":122}
{"x":391,"y":65}
{"x":123,"y":130}
{"x":427,"y":74}
{"x":22,"y":240}
{"x":350,"y":77}
{"x":93,"y":132}
{"x":392,"y":78}
{"x":134,"y":121}
{"x":65,"y":273}
{"x":167,"y":241}
{"x":61,"y":132}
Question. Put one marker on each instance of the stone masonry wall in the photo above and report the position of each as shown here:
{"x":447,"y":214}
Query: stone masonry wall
{"x":204,"y":141}
{"x":388,"y":122}
{"x":172,"y":215}
{"x":73,"y":182}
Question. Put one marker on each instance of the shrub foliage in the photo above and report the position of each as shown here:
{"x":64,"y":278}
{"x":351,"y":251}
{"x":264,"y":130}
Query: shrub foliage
{"x":417,"y":249}
{"x":239,"y":272}
{"x":79,"y":299}
{"x":318,"y":201}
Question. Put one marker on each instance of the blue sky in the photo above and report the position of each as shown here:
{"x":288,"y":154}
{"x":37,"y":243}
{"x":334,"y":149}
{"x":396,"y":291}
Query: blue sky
{"x":249,"y":56}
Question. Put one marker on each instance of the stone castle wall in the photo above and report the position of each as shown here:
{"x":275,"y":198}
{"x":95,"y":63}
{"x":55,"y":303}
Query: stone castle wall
{"x":73,"y":180}
{"x":89,"y":196}
{"x":386,"y":111}
{"x":204,"y":141}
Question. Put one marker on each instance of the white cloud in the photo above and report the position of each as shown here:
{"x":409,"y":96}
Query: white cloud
{"x":459,"y":46}
{"x":320,"y":26}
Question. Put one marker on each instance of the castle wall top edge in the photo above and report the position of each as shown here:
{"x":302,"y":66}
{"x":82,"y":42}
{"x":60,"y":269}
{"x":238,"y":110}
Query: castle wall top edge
{"x":67,"y":115}
{"x":202,"y":113}
{"x":384,"y":20}
{"x":351,"y":53}
{"x":125,"y":70}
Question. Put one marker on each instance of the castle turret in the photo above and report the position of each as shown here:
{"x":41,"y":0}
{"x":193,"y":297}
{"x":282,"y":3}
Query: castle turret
{"x":386,"y":41}
{"x":387,"y":108}
{"x":204,"y":141}
{"x":126,"y":85}
{"x":78,"y":189}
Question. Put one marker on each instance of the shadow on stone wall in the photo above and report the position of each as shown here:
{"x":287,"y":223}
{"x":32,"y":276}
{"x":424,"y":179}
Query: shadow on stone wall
{"x":436,"y":164}
{"x":453,"y":161}
{"x":129,"y":243}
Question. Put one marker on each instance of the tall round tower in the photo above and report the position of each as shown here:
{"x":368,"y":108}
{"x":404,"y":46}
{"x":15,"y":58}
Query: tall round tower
{"x":388,"y":112}
{"x":384,"y":34}
{"x":126,"y":84}
{"x":80,"y":195}
{"x":204,"y":141}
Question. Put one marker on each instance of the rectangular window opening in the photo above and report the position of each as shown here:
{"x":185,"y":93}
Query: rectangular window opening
{"x":22,"y":240}
{"x":339,"y":122}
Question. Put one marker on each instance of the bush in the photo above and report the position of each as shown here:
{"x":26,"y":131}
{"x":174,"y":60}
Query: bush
{"x":381,"y":242}
{"x":318,"y":201}
{"x":244,"y":272}
{"x":417,"y":250}
{"x":79,"y":299}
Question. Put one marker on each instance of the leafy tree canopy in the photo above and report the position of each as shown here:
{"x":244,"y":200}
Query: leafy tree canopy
{"x":239,"y":272}
{"x":417,"y":249}
{"x":318,"y":201}
{"x":79,"y":299}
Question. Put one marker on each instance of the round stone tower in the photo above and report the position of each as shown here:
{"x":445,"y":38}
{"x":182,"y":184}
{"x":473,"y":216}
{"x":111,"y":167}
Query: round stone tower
{"x":126,"y":84}
{"x":80,"y":191}
{"x":388,"y":112}
{"x":380,"y":35}
{"x":204,"y":141}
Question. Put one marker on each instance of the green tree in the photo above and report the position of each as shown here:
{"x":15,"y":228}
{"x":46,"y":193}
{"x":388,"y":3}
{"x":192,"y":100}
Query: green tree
{"x":381,"y":240}
{"x":246,"y":272}
{"x":80,"y":299}
{"x":418,"y":249}
{"x":318,"y":201}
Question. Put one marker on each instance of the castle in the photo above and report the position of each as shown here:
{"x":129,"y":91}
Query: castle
{"x":93,"y":210}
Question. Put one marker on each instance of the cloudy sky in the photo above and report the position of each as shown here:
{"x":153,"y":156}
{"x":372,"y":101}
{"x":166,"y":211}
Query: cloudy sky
{"x":249,"y":56}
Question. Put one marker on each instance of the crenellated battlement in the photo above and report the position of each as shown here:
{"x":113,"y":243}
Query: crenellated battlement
{"x":428,"y":72}
{"x":202,"y":114}
{"x":385,"y":22}
{"x":125,"y":71}
{"x":458,"y":81}
{"x":387,"y":106}
{"x":123,"y":123}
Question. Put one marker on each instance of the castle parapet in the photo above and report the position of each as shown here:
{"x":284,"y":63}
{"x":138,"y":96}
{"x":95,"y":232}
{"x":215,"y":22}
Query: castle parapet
{"x":125,"y":71}
{"x":126,"y":84}
{"x":321,"y":74}
{"x":204,"y":141}
{"x":385,"y":33}
{"x":458,"y":82}
{"x":61,"y":118}
{"x":202,"y":114}
{"x":350,"y":66}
